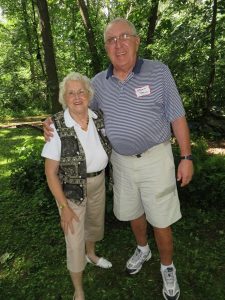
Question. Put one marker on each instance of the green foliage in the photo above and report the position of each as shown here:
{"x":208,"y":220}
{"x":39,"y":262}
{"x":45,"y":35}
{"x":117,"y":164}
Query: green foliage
{"x":28,"y":171}
{"x":28,"y":178}
{"x":207,"y":189}
{"x":181,"y":40}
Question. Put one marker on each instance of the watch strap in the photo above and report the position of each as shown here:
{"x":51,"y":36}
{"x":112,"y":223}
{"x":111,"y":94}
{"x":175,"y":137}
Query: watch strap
{"x":188,"y":157}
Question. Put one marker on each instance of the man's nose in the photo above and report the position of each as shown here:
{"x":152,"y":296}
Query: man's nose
{"x":118,"y":42}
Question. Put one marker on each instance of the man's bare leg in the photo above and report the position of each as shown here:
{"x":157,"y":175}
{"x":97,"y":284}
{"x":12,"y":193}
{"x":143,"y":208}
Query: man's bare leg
{"x":164,"y":241}
{"x":139,"y":228}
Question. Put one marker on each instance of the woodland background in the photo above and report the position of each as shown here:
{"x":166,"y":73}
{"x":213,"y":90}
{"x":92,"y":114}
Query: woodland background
{"x":40,"y":42}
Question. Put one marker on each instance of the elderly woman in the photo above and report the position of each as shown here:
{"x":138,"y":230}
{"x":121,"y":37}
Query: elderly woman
{"x":75,"y":161}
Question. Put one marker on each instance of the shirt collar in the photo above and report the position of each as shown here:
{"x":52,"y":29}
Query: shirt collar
{"x":136,"y":68}
{"x":70,"y":122}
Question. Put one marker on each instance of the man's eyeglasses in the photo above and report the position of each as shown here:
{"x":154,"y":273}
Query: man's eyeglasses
{"x":78,"y":94}
{"x":122,"y":38}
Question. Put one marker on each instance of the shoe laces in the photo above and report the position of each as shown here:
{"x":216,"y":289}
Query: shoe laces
{"x":137,"y":255}
{"x":169,"y":276}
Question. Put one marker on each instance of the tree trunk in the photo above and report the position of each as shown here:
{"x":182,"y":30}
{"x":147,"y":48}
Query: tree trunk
{"x":29,"y":39}
{"x":52,"y":77}
{"x":152,"y":21}
{"x":96,"y":63}
{"x":211,"y":62}
{"x":153,"y":16}
{"x":73,"y":24}
{"x":38,"y":50}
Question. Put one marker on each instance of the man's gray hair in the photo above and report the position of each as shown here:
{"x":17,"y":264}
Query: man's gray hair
{"x":120,"y":20}
{"x":76,"y":77}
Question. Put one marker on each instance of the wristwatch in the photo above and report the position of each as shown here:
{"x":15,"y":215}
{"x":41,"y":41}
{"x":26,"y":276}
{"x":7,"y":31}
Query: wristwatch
{"x":188,"y":157}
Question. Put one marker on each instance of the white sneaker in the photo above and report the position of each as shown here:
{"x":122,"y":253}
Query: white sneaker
{"x":134,"y":264}
{"x":171,"y":290}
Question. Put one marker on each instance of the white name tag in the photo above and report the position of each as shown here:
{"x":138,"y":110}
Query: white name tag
{"x":143,"y":91}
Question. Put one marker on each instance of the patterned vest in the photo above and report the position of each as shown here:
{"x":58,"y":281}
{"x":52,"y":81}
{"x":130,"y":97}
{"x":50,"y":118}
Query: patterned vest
{"x":72,"y":167}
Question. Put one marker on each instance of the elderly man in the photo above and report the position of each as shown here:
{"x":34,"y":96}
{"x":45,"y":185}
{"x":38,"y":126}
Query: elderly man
{"x":140,"y":101}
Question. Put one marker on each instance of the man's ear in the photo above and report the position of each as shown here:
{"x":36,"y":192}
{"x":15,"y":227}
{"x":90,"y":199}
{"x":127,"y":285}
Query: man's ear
{"x":138,"y":40}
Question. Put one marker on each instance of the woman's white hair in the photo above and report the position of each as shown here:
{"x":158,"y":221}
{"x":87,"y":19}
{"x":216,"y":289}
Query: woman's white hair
{"x":120,"y":20}
{"x":76,"y":77}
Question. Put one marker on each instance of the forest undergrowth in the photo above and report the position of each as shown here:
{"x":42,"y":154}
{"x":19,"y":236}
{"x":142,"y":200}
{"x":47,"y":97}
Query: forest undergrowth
{"x":32,"y":250}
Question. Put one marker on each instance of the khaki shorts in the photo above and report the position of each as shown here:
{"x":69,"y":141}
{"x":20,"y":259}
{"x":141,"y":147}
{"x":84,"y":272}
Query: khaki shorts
{"x":146,"y":184}
{"x":91,"y":213}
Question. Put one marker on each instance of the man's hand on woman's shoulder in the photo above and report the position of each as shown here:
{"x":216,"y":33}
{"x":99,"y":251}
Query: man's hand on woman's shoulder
{"x":48,"y":130}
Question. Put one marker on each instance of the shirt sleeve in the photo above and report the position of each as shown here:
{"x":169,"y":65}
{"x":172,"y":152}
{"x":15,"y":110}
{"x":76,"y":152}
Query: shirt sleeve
{"x":52,"y":149}
{"x":173,"y":104}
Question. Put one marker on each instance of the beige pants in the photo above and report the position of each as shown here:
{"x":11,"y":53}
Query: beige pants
{"x":91,"y":225}
{"x":146,"y":185}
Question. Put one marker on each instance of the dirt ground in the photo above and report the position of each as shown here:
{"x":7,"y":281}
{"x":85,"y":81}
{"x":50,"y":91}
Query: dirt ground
{"x":28,"y":121}
{"x":217,"y":147}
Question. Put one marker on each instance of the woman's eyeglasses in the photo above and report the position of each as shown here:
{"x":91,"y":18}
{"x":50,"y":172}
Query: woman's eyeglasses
{"x":78,"y":94}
